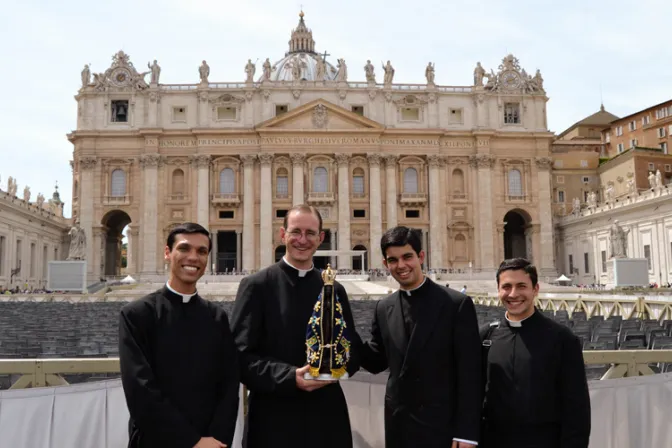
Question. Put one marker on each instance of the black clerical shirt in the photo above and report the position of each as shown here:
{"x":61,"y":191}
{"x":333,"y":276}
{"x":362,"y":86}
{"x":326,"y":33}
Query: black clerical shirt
{"x":411,"y":304}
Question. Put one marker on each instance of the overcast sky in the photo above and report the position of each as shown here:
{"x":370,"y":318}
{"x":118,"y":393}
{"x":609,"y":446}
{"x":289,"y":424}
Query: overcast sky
{"x":616,"y":49}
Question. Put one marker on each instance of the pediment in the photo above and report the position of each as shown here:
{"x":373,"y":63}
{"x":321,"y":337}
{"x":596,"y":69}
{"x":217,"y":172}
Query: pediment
{"x":320,"y":115}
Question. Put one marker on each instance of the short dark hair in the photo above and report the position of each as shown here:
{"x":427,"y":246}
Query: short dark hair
{"x":518,"y":264}
{"x":188,"y":228}
{"x":303,"y":208}
{"x":401,"y":236}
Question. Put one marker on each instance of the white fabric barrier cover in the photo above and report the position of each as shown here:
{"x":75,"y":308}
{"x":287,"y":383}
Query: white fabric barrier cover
{"x":626,"y":413}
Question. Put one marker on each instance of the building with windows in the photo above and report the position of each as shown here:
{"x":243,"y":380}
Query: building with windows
{"x":468,"y":165}
{"x":31,"y":235}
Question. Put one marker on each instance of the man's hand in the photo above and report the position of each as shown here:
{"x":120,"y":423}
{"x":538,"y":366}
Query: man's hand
{"x":209,"y":442}
{"x":457,"y":444}
{"x":309,"y":385}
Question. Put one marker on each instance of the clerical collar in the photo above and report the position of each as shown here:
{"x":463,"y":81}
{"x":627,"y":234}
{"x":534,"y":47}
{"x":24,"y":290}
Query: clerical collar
{"x":302,"y":272}
{"x":185,"y":297}
{"x":516,"y":323}
{"x":409,"y":291}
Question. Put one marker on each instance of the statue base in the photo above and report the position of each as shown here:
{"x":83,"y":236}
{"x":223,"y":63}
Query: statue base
{"x":325,"y":377}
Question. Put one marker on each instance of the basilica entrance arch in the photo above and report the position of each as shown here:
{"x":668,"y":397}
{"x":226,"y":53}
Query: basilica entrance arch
{"x":358,"y":260}
{"x":516,"y":242}
{"x":114,"y":223}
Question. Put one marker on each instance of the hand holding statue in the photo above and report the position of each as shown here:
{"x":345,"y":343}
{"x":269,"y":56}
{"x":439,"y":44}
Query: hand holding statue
{"x":309,"y":385}
{"x":209,"y":442}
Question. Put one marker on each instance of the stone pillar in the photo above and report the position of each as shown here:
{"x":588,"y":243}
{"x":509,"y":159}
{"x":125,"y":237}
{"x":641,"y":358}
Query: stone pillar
{"x":87,"y":165}
{"x":375,"y":212}
{"x":391,"y":186}
{"x":483,"y":163}
{"x":343,"y":161}
{"x":297,"y":178}
{"x":500,"y":255}
{"x":150,"y":167}
{"x":435,"y":212}
{"x":132,"y":236}
{"x":153,"y":112}
{"x":545,"y":260}
{"x":202,"y":164}
{"x":266,"y":251}
{"x":239,"y":251}
{"x":214,"y":259}
{"x":202,"y":107}
{"x":249,"y":251}
{"x":332,"y":244}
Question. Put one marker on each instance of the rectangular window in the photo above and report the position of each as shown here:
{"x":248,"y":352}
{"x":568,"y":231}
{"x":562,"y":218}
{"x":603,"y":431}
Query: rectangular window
{"x":646,"y":119}
{"x":633,"y":142}
{"x":560,"y":179}
{"x":586,"y":265}
{"x":585,"y":196}
{"x":226,"y":214}
{"x":280,"y":213}
{"x":280,"y":109}
{"x":358,"y":185}
{"x":584,"y":164}
{"x":632,"y":126}
{"x":647,"y":255}
{"x":226,"y":113}
{"x":282,"y":187}
{"x":455,"y":116}
{"x":604,"y":260}
{"x":619,"y":148}
{"x":412,"y":213}
{"x":410,"y":114}
{"x":561,"y":196}
{"x":359,"y":110}
{"x":651,"y":167}
{"x":663,"y":147}
{"x":179,"y":114}
{"x":619,"y":131}
{"x":668,"y":168}
{"x":571,"y":265}
{"x":359,"y":213}
{"x":607,"y":137}
{"x":119,"y":111}
{"x":511,"y":113}
{"x":661,"y":132}
{"x":586,"y":179}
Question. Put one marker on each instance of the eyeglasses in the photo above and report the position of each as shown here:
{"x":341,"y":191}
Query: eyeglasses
{"x":308,"y":234}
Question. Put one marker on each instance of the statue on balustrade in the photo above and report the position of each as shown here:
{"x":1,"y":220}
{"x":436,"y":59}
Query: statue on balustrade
{"x":576,"y":206}
{"x":618,"y":240}
{"x":77,"y":243}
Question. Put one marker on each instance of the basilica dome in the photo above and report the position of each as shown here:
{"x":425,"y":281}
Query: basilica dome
{"x":302,"y":62}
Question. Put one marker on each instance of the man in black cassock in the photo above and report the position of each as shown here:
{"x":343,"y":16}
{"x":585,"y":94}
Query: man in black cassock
{"x":536,"y":393}
{"x":178,"y":360}
{"x":427,"y":335}
{"x":269,"y":323}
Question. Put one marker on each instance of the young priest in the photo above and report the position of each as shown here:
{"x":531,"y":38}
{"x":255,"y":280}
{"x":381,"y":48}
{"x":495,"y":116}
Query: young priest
{"x":178,"y":360}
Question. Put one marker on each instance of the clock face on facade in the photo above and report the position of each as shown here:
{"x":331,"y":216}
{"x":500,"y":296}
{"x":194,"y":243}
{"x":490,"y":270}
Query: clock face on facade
{"x":120,"y":77}
{"x":510,"y":79}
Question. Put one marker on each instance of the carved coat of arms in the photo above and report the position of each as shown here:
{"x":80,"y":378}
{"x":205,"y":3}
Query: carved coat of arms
{"x":320,"y":116}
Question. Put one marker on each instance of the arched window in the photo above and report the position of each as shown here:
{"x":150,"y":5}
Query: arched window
{"x":320,"y":180}
{"x":460,"y":247}
{"x":118,"y":184}
{"x":358,"y":181}
{"x":410,"y":180}
{"x":515,"y":183}
{"x":177,"y":183}
{"x":458,"y":182}
{"x":227,"y":181}
{"x":282,"y":183}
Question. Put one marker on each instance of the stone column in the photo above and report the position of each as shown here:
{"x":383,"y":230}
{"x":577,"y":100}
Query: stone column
{"x":343,"y":161}
{"x":483,"y":163}
{"x":239,"y":251}
{"x":375,"y":212}
{"x":132,"y":236}
{"x":332,"y":244}
{"x":153,"y":112}
{"x":545,"y":261}
{"x":297,"y":178}
{"x":214,"y":259}
{"x":150,"y":167}
{"x":202,"y":164}
{"x":266,"y":251}
{"x":501,"y":251}
{"x":435,"y":212}
{"x":203,"y":107}
{"x":249,"y":251}
{"x":391,"y":186}
{"x":87,"y":165}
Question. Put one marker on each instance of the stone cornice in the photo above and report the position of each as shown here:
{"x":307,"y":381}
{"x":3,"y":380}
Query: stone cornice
{"x":32,"y":211}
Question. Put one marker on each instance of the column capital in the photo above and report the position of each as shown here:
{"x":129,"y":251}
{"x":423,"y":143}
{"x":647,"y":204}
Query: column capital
{"x":151,"y":160}
{"x":266,"y":158}
{"x":87,"y":163}
{"x":374,"y":158}
{"x":391,"y":160}
{"x":435,"y":160}
{"x":342,"y":159}
{"x":297,"y":158}
{"x":248,"y":159}
{"x":200,"y":160}
{"x":544,"y":163}
{"x":482,"y":161}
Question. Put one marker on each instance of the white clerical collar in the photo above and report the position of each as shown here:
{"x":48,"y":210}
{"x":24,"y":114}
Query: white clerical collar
{"x":302,"y":272}
{"x":185,"y":297}
{"x":409,"y":291}
{"x":515,"y":323}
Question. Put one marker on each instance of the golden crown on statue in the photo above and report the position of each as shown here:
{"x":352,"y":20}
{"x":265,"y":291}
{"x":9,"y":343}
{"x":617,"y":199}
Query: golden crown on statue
{"x":328,"y":275}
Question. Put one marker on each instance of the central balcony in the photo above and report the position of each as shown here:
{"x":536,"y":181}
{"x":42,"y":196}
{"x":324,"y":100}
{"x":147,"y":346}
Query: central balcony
{"x":412,"y":199}
{"x":226,"y":199}
{"x":117,"y":200}
{"x":315,"y":198}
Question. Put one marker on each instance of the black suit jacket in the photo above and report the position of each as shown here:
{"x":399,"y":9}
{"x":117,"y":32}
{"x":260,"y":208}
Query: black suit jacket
{"x":434,"y":391}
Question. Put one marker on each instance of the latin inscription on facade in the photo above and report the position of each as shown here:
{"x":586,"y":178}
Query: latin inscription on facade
{"x":361,"y":141}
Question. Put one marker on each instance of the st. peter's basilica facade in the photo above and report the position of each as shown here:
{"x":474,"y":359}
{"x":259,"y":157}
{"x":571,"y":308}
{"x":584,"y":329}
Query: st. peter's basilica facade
{"x":469,"y":166}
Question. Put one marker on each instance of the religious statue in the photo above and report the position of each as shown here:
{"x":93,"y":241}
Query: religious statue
{"x":204,"y":72}
{"x":538,"y":80}
{"x":250,"y":70}
{"x":342,"y":74}
{"x":26,"y":194}
{"x":652,"y":180}
{"x":327,"y":342}
{"x":267,"y":70}
{"x":77,"y":243}
{"x":576,"y":206}
{"x":320,"y":69}
{"x":296,"y":68}
{"x":389,"y":73}
{"x":429,"y":74}
{"x":618,"y":241}
{"x":86,"y":76}
{"x":659,"y":180}
{"x":609,"y":193}
{"x":479,"y":73}
{"x":592,"y":200}
{"x":368,"y":71}
{"x":11,"y":186}
{"x":156,"y":72}
{"x":40,"y":200}
{"x":631,"y":186}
